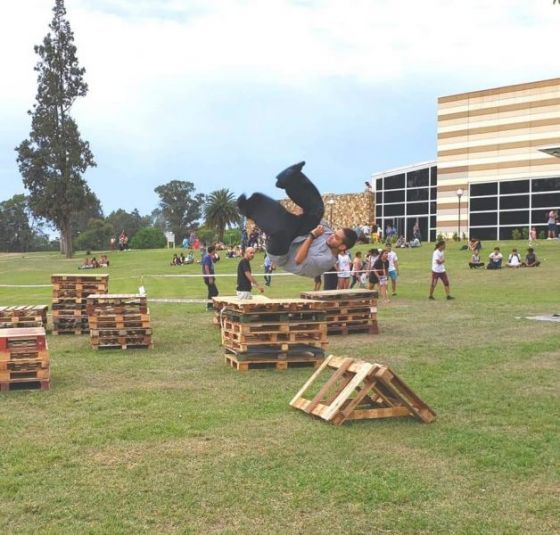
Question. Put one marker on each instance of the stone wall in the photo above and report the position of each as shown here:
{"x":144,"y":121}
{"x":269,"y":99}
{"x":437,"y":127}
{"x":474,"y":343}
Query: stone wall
{"x":346,"y":210}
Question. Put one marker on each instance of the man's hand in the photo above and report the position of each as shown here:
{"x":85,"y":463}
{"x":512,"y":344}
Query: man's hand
{"x":318,"y":230}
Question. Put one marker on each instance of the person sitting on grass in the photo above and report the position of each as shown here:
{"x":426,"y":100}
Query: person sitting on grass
{"x":496,"y":258}
{"x":189,"y":259}
{"x":514,"y":260}
{"x":86,"y":264}
{"x":104,"y":261}
{"x":531,"y":259}
{"x":175,"y":261}
{"x":475,"y":260}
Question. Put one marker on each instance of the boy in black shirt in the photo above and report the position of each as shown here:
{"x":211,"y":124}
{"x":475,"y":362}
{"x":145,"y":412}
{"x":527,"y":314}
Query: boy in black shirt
{"x":245,"y":279}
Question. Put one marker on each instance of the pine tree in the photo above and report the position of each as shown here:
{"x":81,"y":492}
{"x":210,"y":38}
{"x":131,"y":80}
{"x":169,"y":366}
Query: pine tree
{"x":54,"y":158}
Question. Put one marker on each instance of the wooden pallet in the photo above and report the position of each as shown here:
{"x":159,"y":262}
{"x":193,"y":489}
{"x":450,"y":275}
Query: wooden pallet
{"x":23,"y":364}
{"x":369,"y":327}
{"x":338,"y":295}
{"x":23,"y":337}
{"x":25,"y":384}
{"x":23,"y":354}
{"x":307,"y":316}
{"x":268,"y":306}
{"x":358,"y":390}
{"x":9,"y":376}
{"x":120,"y":343}
{"x":275,"y":337}
{"x":277,"y":364}
{"x":23,"y":316}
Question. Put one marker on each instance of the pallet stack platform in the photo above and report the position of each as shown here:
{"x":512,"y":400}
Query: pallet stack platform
{"x":23,"y":316}
{"x":24,"y":359}
{"x":69,"y":304}
{"x":119,"y":321}
{"x":277,"y":333}
{"x":348,"y":311}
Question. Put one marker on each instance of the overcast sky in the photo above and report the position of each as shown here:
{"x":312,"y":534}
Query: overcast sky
{"x":226,"y":93}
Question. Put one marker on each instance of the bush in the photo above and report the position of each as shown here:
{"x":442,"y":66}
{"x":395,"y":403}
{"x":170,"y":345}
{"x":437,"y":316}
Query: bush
{"x":206,"y":235}
{"x":542,"y":235}
{"x":440,"y":237}
{"x":525,"y":233}
{"x":516,"y":234}
{"x":148,"y":238}
{"x":95,"y":237}
{"x":456,"y":237}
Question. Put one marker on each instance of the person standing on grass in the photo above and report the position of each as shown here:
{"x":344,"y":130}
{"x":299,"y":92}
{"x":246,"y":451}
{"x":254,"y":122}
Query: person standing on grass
{"x":344,"y":266}
{"x":208,"y":275}
{"x":268,"y":268}
{"x":380,"y":267}
{"x":393,"y":271}
{"x":245,"y":279}
{"x":438,"y":270}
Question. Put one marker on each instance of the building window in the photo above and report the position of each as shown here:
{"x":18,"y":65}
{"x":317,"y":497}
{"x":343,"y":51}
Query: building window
{"x":417,"y":195}
{"x":394,"y":182}
{"x":488,"y":188}
{"x":515,"y":186}
{"x":484,"y":203}
{"x":394,"y":196}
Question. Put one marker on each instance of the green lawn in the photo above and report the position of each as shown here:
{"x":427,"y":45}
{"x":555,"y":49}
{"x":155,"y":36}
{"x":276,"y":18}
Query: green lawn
{"x":170,"y":440}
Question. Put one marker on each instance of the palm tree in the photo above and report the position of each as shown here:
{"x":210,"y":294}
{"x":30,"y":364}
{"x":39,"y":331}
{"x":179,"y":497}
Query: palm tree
{"x":220,"y":210}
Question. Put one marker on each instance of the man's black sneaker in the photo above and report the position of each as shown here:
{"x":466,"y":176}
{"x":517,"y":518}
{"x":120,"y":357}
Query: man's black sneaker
{"x":449,"y":298}
{"x":432,"y":298}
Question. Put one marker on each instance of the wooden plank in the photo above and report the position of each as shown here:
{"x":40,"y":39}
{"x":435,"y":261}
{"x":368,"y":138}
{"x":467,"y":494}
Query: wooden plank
{"x":337,"y":375}
{"x":383,"y":412}
{"x":364,"y":370}
{"x":310,"y":381}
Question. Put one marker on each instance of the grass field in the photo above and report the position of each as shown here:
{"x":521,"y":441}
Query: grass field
{"x":170,"y":440}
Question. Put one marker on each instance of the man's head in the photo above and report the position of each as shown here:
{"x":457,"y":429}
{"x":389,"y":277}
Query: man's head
{"x":342,"y":239}
{"x":249,"y":253}
{"x":440,"y":245}
{"x":211,"y":249}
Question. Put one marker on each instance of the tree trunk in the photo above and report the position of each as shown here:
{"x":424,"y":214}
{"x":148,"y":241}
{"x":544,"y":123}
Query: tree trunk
{"x":67,"y":239}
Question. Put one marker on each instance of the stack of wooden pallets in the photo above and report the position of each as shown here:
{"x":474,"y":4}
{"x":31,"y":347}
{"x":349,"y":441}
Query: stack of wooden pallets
{"x":348,"y":310}
{"x":272,"y":333}
{"x":69,"y":304}
{"x":23,"y":316}
{"x":24,"y":358}
{"x":119,"y":321}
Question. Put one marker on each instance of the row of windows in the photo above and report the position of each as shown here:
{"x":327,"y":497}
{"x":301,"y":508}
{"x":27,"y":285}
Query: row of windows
{"x":413,"y":179}
{"x":508,"y":218}
{"x":411,"y":195}
{"x":547,"y":200}
{"x":501,"y":233}
{"x":515,"y":186}
{"x":416,"y":208}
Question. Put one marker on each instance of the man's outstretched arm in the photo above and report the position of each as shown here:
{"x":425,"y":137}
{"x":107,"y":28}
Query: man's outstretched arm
{"x":303,"y":250}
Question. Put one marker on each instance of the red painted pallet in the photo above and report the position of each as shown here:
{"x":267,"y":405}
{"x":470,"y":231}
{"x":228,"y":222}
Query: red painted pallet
{"x":23,"y":337}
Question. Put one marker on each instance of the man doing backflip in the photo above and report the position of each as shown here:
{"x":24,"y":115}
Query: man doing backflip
{"x":300,"y":244}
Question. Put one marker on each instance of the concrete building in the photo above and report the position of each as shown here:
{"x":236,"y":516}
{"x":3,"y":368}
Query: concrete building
{"x":497,"y":162}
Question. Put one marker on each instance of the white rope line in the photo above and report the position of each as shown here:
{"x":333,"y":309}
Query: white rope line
{"x":25,"y":285}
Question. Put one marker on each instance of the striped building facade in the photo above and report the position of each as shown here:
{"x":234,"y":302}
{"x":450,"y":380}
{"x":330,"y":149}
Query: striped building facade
{"x":489,"y":148}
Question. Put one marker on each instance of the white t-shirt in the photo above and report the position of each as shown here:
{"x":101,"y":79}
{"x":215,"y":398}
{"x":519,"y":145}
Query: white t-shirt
{"x":513,"y":259}
{"x":344,"y":265}
{"x":495,"y":256}
{"x":392,"y":257}
{"x":438,"y":268}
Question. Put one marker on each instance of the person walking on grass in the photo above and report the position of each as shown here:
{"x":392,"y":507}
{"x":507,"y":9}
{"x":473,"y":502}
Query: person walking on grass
{"x":208,"y":275}
{"x":393,"y":271}
{"x":245,"y":279}
{"x":438,"y":270}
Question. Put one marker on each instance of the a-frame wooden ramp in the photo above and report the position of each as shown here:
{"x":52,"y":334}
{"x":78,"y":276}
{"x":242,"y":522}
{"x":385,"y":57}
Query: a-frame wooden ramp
{"x":358,"y":390}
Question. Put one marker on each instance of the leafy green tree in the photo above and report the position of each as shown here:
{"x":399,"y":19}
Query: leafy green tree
{"x":220,"y":211}
{"x":16,"y":234}
{"x":180,"y":207}
{"x":130,"y":222}
{"x":96,"y":237}
{"x":54,"y":158}
{"x":148,"y":238}
{"x":81,"y":221}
